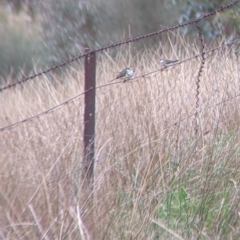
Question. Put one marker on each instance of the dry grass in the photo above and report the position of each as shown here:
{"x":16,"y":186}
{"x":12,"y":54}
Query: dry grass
{"x":153,"y":179}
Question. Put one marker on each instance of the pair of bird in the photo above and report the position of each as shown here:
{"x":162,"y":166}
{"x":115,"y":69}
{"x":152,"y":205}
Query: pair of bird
{"x":128,"y":72}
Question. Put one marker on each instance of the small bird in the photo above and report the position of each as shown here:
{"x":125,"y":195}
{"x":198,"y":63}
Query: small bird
{"x":166,"y":63}
{"x":126,"y":74}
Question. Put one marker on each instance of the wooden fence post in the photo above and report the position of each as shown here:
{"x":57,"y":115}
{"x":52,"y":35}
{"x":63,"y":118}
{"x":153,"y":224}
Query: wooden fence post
{"x":86,"y":197}
{"x":89,"y":118}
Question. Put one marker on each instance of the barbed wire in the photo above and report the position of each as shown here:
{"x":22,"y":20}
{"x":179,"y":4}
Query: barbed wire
{"x":142,"y":76}
{"x":201,"y":54}
{"x":130,"y":40}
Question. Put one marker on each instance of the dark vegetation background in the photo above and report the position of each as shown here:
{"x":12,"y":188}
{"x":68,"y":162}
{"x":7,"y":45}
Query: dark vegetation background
{"x":36,"y":34}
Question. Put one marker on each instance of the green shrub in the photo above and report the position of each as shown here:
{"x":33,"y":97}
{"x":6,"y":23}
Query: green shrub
{"x":19,"y":48}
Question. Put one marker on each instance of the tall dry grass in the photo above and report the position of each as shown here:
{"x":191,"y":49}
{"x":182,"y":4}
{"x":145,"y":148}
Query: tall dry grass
{"x":154,"y":177}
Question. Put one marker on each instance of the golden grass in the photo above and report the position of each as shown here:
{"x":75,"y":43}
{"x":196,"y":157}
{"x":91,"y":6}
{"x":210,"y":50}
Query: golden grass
{"x":154,"y":179}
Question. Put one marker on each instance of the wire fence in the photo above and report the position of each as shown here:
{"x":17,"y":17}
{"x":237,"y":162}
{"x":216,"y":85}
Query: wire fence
{"x":202,"y":55}
{"x":137,"y":78}
{"x":159,"y":32}
{"x":59,"y":131}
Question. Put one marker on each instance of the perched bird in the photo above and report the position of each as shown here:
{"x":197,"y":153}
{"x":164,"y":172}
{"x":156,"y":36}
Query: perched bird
{"x":166,"y":63}
{"x":126,"y":74}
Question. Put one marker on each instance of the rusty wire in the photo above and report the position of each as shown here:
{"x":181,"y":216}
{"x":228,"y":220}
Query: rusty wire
{"x":69,"y":61}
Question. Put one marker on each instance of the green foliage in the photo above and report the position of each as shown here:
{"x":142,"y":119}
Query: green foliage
{"x":68,"y":27}
{"x":19,"y":50}
{"x":212,"y":27}
{"x":180,"y":210}
{"x":71,"y":26}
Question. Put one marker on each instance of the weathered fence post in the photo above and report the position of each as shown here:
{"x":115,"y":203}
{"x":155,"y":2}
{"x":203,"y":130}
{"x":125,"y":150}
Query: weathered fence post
{"x":89,"y":118}
{"x":87,"y":211}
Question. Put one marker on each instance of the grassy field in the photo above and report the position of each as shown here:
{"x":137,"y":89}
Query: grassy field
{"x":155,"y":178}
